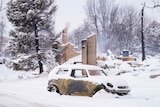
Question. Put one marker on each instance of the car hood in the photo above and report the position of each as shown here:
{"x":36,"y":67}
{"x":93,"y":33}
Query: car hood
{"x":116,"y":81}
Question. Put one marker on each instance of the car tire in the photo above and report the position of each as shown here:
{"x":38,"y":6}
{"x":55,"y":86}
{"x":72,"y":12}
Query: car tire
{"x":113,"y":91}
{"x":110,"y":91}
{"x":107,"y":90}
{"x":121,"y":94}
{"x":99,"y":87}
{"x":53,"y":88}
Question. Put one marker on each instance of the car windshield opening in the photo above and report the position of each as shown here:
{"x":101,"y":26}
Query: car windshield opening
{"x":62,"y":71}
{"x":96,"y":73}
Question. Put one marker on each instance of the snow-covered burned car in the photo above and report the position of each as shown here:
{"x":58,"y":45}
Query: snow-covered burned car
{"x":84,"y":80}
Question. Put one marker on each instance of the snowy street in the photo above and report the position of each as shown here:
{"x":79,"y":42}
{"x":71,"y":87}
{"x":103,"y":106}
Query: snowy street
{"x":32,"y":92}
{"x":17,"y":94}
{"x":14,"y":101}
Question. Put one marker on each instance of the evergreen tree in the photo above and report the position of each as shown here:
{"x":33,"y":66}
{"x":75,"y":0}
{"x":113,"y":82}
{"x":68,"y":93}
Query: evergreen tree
{"x":33,"y":21}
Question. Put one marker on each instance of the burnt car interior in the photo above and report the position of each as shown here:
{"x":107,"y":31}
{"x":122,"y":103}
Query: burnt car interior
{"x":79,"y":73}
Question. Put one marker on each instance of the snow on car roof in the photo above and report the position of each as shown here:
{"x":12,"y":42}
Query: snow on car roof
{"x":79,"y":66}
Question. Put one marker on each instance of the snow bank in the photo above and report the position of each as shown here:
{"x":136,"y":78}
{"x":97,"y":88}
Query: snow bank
{"x":8,"y":74}
{"x":33,"y":91}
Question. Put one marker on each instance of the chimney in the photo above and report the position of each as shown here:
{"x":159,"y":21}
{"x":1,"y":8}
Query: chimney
{"x":64,"y":36}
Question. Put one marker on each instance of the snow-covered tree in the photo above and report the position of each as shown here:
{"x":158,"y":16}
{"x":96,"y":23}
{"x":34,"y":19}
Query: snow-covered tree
{"x":2,"y":30}
{"x":50,"y":60}
{"x":2,"y":25}
{"x":2,"y":5}
{"x":153,"y":38}
{"x":33,"y":21}
{"x":117,"y":27}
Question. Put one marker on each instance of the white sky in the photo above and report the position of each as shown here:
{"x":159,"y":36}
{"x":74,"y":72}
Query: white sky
{"x":69,"y":12}
{"x":72,"y":11}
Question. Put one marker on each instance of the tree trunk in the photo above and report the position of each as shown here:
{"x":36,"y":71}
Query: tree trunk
{"x":37,"y":47}
{"x":142,"y":33}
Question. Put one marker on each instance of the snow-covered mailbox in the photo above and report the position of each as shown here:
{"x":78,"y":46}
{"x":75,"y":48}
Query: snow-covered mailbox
{"x":125,"y":53}
{"x":126,"y":56}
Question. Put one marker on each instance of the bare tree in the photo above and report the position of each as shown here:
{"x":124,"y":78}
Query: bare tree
{"x":156,"y":3}
{"x":142,"y":33}
{"x":153,"y":32}
{"x":115,"y":26}
{"x":82,"y":32}
{"x":98,"y":14}
{"x":153,"y":38}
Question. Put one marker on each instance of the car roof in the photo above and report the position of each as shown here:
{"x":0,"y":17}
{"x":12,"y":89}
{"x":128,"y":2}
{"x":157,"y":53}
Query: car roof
{"x":79,"y":66}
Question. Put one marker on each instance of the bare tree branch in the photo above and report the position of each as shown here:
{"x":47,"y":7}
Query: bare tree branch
{"x":156,"y":6}
{"x":1,"y":5}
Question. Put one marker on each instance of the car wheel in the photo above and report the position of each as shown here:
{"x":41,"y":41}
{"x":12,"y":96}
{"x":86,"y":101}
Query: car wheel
{"x":121,"y":94}
{"x":99,"y":87}
{"x":53,"y":88}
{"x":113,"y":91}
{"x":110,"y":91}
{"x":107,"y":89}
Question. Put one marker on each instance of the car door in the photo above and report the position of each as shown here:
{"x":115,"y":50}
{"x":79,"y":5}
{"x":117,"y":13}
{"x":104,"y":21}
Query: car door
{"x":79,"y":83}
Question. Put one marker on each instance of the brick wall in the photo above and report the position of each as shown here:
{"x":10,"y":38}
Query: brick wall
{"x":89,"y":50}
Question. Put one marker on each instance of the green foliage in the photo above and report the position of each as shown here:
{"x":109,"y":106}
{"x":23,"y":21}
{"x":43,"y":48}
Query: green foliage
{"x":32,"y":21}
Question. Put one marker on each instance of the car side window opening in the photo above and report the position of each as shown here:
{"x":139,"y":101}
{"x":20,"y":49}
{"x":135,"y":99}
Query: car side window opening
{"x":62,"y":71}
{"x":79,"y":73}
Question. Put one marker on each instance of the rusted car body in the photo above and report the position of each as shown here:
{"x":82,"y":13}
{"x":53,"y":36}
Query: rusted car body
{"x":76,"y":87}
{"x":84,"y":80}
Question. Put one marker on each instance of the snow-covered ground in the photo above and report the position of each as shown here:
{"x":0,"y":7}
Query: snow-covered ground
{"x":21,"y":89}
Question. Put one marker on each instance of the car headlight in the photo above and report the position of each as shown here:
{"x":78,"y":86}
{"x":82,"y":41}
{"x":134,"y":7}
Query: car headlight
{"x":123,"y":87}
{"x":110,"y":85}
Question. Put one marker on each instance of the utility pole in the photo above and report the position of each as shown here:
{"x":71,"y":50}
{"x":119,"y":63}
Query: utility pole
{"x":142,"y":33}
